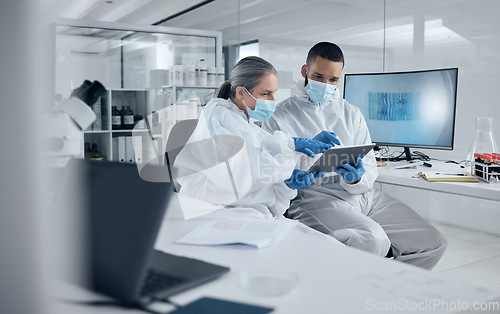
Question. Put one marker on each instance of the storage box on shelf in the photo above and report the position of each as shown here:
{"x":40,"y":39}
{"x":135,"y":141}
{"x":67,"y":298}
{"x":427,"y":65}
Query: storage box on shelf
{"x":186,"y":102}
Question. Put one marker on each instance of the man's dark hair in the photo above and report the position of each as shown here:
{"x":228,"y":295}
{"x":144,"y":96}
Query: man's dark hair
{"x":325,"y":50}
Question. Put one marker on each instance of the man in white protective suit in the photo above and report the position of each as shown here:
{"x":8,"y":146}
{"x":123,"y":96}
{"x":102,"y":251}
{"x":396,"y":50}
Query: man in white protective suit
{"x":345,"y":205}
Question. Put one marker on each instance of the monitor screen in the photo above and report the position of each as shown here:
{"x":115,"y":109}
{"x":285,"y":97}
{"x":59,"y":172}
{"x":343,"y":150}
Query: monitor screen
{"x":408,"y":109}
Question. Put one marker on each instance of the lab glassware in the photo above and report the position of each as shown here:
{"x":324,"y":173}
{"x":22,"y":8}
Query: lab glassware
{"x":483,"y":141}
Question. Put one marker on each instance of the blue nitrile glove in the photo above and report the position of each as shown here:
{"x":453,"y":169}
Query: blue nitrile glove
{"x":327,"y":137}
{"x":301,"y":179}
{"x":309,"y":146}
{"x":352,"y":174}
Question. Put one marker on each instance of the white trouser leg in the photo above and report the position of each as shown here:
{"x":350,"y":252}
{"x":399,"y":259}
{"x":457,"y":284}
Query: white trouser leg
{"x":413,"y":239}
{"x":343,"y":221}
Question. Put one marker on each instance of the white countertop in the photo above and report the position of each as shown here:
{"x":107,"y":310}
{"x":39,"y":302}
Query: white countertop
{"x":332,"y":277}
{"x":409,"y":177}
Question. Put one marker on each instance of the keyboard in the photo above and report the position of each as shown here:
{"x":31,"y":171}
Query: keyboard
{"x":157,"y":281}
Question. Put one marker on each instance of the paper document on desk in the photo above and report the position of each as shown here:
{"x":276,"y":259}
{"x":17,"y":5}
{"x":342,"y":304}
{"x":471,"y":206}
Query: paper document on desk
{"x":447,"y":177}
{"x":254,"y":233}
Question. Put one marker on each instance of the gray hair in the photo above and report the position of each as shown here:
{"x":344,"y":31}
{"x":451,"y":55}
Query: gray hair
{"x":325,"y":50}
{"x":247,"y":73}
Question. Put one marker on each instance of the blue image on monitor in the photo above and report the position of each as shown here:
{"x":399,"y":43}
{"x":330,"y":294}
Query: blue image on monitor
{"x":393,"y":106}
{"x":408,"y":109}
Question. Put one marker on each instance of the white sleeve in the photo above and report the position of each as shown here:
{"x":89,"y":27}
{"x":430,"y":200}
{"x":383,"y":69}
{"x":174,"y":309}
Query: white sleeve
{"x":367,"y":181}
{"x":264,"y":162}
{"x":270,"y":125}
{"x":283,"y":196}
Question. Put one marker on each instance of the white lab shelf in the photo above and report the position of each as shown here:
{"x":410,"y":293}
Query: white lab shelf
{"x":116,"y":55}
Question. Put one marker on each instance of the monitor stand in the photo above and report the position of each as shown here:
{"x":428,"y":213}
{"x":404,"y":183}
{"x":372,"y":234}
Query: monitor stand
{"x":408,"y":154}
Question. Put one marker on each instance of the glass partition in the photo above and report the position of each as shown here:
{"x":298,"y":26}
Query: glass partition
{"x":376,"y":36}
{"x":149,"y":74}
{"x":121,"y":58}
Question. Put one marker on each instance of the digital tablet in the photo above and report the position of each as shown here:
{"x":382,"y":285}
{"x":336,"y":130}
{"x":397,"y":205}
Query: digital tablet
{"x":337,"y":156}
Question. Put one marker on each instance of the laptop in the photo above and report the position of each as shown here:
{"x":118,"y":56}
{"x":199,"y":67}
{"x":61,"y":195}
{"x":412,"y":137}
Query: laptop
{"x":125,"y":214}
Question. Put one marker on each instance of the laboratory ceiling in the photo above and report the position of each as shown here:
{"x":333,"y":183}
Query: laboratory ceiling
{"x":361,"y":23}
{"x":125,"y":11}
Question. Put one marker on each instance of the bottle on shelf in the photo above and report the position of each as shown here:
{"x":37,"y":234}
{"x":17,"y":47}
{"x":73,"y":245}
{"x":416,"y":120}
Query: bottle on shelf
{"x":212,"y":76}
{"x":202,"y":74}
{"x":156,"y":124}
{"x":204,"y":100}
{"x":95,"y":154}
{"x":194,"y":101}
{"x":221,"y":76}
{"x":182,"y":107}
{"x":122,"y":112}
{"x":200,"y":109}
{"x":197,"y":71}
{"x":128,"y":118}
{"x":169,"y":114}
{"x":177,"y":74}
{"x":189,"y":75}
{"x":116,"y":118}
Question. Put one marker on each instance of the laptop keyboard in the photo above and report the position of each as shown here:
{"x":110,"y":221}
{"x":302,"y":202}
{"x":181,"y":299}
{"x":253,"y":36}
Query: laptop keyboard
{"x":157,"y":281}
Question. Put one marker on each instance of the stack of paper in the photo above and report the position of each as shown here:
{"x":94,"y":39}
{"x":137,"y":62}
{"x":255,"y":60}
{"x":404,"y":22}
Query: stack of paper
{"x":447,"y":177}
{"x":255,"y":233}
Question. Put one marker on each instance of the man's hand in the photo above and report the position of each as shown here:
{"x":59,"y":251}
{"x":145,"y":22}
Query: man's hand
{"x":352,"y":174}
{"x":327,"y":138}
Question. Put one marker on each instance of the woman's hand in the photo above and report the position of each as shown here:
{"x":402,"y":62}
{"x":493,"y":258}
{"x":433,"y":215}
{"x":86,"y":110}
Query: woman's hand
{"x":301,"y":179}
{"x":309,"y":146}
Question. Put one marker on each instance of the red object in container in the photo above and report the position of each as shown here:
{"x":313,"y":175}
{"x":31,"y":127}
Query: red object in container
{"x":496,"y":158}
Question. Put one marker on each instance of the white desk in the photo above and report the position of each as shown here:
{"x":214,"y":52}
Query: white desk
{"x":332,"y":278}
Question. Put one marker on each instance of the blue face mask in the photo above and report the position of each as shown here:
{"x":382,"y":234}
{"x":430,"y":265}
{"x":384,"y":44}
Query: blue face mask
{"x":320,"y":92}
{"x":264,"y":109}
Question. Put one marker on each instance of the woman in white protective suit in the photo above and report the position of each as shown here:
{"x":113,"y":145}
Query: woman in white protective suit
{"x":231,"y":162}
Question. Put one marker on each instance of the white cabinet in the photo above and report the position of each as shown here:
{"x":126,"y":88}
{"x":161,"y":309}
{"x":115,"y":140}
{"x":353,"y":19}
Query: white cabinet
{"x":464,"y":211}
{"x":467,"y":205}
{"x":133,"y":62}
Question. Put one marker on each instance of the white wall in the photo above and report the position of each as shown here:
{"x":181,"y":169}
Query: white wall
{"x":444,"y":38}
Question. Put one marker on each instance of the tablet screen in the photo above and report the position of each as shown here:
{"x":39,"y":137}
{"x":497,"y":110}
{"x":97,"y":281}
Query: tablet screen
{"x":337,"y":156}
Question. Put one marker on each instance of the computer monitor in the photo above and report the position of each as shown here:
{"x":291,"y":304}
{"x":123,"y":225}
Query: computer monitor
{"x":407,"y":109}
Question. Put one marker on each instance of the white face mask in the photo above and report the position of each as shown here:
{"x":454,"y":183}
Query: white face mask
{"x":264,"y":108}
{"x":320,"y":92}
